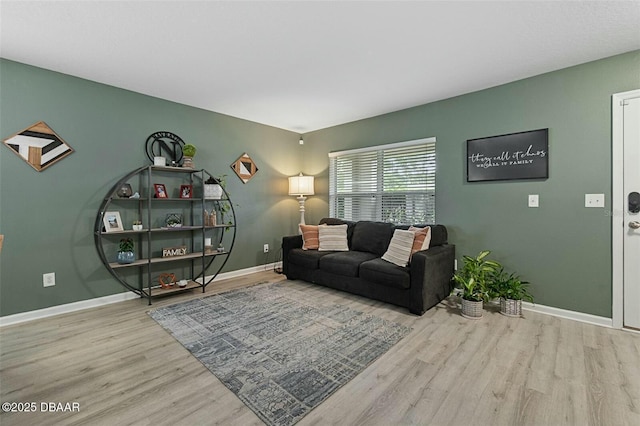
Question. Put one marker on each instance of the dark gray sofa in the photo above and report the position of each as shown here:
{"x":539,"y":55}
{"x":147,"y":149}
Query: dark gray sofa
{"x":418,"y":287}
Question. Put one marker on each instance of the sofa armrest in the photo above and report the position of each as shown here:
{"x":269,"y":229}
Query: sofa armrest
{"x":289,"y":243}
{"x":431,"y":277}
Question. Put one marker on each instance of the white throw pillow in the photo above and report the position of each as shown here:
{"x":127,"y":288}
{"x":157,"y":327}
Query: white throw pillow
{"x":399,"y":249}
{"x":333,"y":238}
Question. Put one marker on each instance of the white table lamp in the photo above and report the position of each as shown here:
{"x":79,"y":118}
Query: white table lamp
{"x":301,"y":185}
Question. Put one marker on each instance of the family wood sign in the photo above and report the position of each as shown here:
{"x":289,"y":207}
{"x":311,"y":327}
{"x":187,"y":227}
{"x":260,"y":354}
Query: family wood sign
{"x":174,"y":251}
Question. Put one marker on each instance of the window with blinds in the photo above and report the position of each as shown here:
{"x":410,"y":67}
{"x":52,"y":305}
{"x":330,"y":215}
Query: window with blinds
{"x":389,"y":183}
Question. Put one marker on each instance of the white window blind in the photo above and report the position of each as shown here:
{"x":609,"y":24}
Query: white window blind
{"x":390,"y":183}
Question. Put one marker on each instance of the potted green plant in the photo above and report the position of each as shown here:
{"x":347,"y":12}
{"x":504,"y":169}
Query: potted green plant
{"x":213,"y":187}
{"x":188,"y":152}
{"x":473,"y":279}
{"x":137,"y":225}
{"x":125,"y":251}
{"x":512,"y":290}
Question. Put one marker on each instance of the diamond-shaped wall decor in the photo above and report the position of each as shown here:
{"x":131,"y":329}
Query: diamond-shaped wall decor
{"x":244,"y":167}
{"x":39,"y":146}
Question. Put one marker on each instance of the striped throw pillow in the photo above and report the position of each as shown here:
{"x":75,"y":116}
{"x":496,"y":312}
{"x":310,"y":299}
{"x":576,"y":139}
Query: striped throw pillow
{"x":422,"y":238}
{"x":309,"y":237}
{"x":400,"y":246}
{"x":333,"y":238}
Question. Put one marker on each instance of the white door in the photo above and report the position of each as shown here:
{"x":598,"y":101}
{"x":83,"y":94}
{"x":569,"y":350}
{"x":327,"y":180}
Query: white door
{"x":631,"y":191}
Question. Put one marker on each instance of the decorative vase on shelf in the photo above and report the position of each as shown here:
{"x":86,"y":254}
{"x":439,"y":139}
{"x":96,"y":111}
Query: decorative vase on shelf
{"x":125,"y":252}
{"x":188,"y":162}
{"x":126,"y":257}
{"x":188,"y":152}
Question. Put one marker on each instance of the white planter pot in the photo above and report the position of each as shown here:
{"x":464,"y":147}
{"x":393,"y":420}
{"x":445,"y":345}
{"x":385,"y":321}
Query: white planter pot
{"x":471,"y":309}
{"x":212,"y":191}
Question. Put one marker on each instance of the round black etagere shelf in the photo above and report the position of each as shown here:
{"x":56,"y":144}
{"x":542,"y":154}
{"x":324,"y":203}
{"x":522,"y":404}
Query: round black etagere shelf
{"x":200,"y":265}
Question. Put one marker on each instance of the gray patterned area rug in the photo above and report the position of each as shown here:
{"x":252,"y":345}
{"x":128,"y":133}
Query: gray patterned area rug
{"x":280,"y":354}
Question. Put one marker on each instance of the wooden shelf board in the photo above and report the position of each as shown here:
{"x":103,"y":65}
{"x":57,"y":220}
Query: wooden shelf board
{"x":154,"y":260}
{"x":116,"y":198}
{"x":175,"y":169}
{"x":176,"y":199}
{"x":176,"y":229}
{"x":126,"y":231}
{"x":159,"y":291}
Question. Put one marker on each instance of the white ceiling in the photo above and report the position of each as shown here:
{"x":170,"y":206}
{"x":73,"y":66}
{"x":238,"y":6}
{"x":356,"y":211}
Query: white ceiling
{"x":306,"y":65}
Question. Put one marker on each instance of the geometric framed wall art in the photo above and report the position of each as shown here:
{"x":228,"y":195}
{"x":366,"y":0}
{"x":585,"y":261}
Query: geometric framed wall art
{"x":244,"y":167}
{"x":39,"y":146}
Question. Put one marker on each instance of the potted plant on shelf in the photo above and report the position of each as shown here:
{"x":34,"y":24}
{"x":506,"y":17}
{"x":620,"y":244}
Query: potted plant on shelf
{"x":511,"y":290}
{"x":213,"y":187}
{"x":473,"y":279}
{"x":125,"y":251}
{"x":137,"y":225}
{"x":188,"y":152}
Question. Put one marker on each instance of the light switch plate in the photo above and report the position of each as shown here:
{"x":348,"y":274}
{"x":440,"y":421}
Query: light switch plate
{"x":534,"y":200}
{"x":594,"y":200}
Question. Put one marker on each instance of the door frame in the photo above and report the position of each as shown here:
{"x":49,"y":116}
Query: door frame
{"x":618,"y":204}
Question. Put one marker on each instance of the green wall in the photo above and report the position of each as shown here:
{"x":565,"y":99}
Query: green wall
{"x":562,"y":248}
{"x":47,"y":217}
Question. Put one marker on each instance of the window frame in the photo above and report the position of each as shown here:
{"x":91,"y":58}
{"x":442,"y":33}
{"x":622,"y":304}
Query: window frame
{"x":378,"y":194}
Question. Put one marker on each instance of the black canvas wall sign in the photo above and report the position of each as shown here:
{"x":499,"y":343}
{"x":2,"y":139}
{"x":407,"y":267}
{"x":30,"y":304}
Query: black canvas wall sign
{"x":523,"y":155}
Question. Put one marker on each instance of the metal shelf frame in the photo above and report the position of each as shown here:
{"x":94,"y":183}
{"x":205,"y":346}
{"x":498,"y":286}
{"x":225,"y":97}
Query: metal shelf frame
{"x":198,"y":261}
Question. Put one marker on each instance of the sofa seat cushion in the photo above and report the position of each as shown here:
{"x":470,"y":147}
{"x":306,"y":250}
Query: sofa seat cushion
{"x":345,"y":263}
{"x":378,"y":271}
{"x":306,"y":258}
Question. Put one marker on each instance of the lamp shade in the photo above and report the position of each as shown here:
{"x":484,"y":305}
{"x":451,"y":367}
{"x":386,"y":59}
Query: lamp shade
{"x":301,"y":185}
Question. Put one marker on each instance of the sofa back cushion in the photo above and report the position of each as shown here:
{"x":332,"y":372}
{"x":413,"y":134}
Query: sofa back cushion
{"x":334,"y":221}
{"x":372,"y":237}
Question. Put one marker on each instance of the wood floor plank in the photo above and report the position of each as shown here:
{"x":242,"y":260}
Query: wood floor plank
{"x":123,"y":368}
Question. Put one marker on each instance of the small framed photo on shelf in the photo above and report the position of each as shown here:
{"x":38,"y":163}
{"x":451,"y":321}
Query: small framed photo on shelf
{"x":186,"y":191}
{"x":112,"y":222}
{"x":161,"y":191}
{"x":173,"y":220}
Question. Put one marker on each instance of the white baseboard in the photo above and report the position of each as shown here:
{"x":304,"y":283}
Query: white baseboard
{"x":66,"y":308}
{"x":107,"y":300}
{"x":572,"y":315}
{"x":246,"y":271}
{"x":557,"y":312}
{"x":121,"y":297}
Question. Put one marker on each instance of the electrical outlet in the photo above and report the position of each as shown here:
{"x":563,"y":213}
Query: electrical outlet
{"x":534,"y":200}
{"x":266,"y":248}
{"x":49,"y":280}
{"x":594,"y":200}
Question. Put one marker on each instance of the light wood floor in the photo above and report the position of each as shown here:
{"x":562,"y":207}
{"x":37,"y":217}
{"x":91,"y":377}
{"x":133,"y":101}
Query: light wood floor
{"x":123,"y":368}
